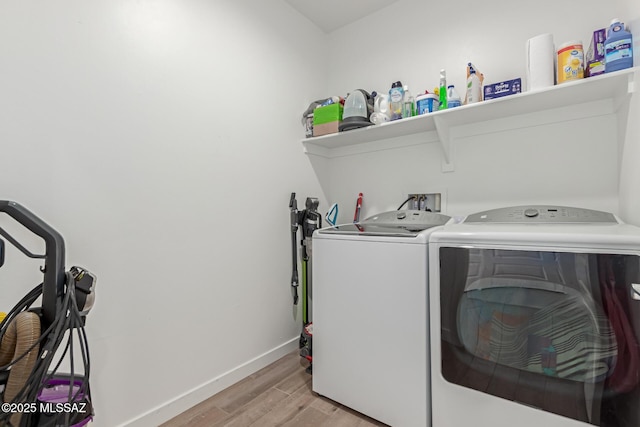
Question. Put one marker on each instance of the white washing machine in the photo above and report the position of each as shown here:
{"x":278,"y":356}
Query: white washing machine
{"x":370,"y":321}
{"x":535,"y":319}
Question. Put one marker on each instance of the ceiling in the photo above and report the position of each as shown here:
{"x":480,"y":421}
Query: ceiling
{"x":330,"y":15}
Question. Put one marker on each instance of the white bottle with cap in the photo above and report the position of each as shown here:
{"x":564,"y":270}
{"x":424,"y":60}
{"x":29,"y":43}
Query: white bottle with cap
{"x":453,"y":99}
{"x":474,"y":89}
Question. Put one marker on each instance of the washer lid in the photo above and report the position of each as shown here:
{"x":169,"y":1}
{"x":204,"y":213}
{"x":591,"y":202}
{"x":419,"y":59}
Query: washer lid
{"x":369,"y":230}
{"x":393,"y":223}
{"x":542,"y":214}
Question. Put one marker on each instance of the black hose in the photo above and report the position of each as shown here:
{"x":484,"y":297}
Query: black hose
{"x":405,"y":202}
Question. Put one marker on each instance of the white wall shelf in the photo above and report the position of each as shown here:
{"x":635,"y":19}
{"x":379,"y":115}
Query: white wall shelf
{"x":580,"y":99}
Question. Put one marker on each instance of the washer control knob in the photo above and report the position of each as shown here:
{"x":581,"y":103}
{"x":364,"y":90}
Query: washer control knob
{"x":531,"y":213}
{"x":401,"y":215}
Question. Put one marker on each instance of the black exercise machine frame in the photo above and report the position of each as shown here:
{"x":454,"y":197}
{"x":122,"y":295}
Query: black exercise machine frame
{"x":54,"y":256}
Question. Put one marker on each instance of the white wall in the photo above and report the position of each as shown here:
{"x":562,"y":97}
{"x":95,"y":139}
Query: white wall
{"x":575,"y":163}
{"x":161,"y":138}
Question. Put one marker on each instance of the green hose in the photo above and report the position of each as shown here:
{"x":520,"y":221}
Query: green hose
{"x":304,"y":292}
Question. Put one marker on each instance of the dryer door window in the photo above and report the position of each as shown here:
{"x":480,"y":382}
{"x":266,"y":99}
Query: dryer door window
{"x":557,"y":331}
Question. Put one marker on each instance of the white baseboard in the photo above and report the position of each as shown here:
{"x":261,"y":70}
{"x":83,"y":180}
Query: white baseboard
{"x":192,"y":397}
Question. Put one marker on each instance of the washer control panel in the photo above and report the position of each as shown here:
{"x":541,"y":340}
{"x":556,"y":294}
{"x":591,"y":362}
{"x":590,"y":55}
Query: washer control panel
{"x":541,"y":214}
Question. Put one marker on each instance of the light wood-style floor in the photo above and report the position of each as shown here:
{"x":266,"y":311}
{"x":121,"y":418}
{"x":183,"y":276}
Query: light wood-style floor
{"x":277,"y":395}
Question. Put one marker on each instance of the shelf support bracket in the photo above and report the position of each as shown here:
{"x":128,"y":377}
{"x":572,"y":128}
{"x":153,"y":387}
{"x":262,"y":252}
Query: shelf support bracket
{"x":444,"y":135}
{"x":631,"y":84}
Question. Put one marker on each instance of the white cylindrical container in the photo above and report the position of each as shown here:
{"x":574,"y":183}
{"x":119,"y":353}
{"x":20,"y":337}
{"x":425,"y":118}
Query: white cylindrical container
{"x":570,"y":61}
{"x":427,"y":103}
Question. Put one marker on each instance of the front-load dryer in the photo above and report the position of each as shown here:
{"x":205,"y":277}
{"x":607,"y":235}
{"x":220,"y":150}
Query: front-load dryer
{"x":535,"y":319}
{"x":370,"y":321}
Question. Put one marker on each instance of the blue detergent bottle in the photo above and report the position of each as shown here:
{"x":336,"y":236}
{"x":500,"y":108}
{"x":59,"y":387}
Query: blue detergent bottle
{"x":618,"y":48}
{"x":453,"y":99}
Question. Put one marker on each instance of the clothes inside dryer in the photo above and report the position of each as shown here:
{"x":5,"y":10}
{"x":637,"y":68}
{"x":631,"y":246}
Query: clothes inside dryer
{"x":537,"y":326}
{"x":551,"y":330}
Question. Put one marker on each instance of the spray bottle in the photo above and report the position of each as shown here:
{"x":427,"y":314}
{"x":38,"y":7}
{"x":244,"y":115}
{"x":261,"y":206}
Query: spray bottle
{"x":443,"y":90}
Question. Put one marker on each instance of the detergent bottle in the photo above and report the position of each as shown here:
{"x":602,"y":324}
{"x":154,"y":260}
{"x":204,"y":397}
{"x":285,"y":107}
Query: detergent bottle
{"x":618,"y":48}
{"x":453,"y":99}
{"x":396,"y":99}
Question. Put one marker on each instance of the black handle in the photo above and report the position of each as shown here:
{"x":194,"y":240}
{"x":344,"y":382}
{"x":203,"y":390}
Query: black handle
{"x":293,"y":208}
{"x":54,"y":269}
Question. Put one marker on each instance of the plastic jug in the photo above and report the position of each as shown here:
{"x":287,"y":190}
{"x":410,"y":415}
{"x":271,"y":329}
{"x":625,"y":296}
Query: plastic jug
{"x":618,"y":48}
{"x":381,"y":104}
{"x":453,"y":99}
